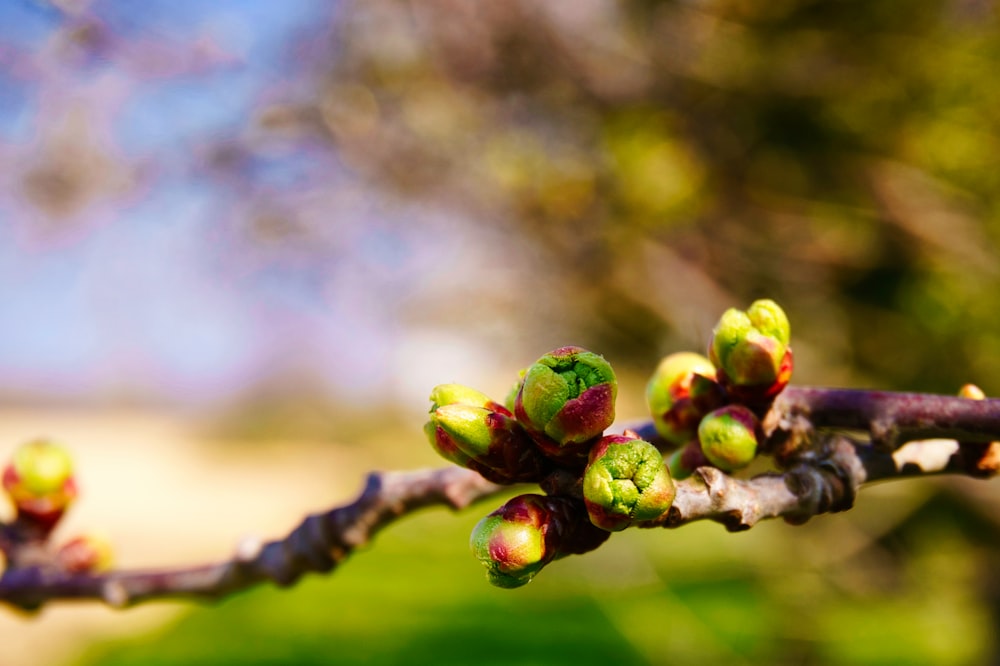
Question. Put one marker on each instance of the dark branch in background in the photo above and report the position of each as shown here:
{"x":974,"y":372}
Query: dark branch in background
{"x":890,"y":419}
{"x":821,"y":477}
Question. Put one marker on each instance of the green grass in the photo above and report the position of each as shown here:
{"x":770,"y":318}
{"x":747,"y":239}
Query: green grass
{"x":415,"y":593}
{"x":692,"y":596}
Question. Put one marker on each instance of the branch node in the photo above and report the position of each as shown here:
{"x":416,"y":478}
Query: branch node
{"x":733,"y":521}
{"x":884,"y":432}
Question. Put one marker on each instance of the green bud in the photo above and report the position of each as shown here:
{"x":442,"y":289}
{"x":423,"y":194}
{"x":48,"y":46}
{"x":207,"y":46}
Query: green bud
{"x":733,"y":326}
{"x":729,"y":437}
{"x":625,"y":482}
{"x":39,"y":480}
{"x":511,"y":398}
{"x":566,"y":400}
{"x":768,"y":318}
{"x":510,"y":542}
{"x":457,"y":394}
{"x":684,"y":461}
{"x":446,"y":447}
{"x":481,"y":435}
{"x":467,"y":426}
{"x":750,"y":350}
{"x":680,"y":392}
{"x":517,"y":540}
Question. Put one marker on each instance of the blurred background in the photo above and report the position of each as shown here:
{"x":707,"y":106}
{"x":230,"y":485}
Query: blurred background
{"x":240,"y":242}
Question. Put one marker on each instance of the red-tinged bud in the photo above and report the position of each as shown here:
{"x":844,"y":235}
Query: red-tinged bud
{"x":750,"y":350}
{"x":729,"y":437}
{"x":517,"y":540}
{"x":39,"y":480}
{"x":684,"y":461}
{"x":482,"y":435}
{"x":566,"y":401}
{"x":88,"y":553}
{"x":681,"y":391}
{"x":625,"y":482}
{"x":511,"y":398}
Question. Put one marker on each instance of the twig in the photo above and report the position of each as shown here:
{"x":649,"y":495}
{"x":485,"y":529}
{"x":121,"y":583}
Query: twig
{"x":318,"y":544}
{"x":823,"y":471}
{"x":824,"y":485}
{"x":890,"y":419}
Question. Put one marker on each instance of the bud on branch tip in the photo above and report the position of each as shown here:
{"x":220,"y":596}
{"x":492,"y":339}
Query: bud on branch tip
{"x":39,"y":480}
{"x":750,"y":349}
{"x":625,"y":481}
{"x":567,"y":399}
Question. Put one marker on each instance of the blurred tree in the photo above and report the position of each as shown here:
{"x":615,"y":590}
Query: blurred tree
{"x":612,"y":174}
{"x":840,"y":157}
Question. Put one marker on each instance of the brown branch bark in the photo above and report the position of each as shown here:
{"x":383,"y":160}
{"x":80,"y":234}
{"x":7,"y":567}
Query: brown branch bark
{"x":823,"y":473}
{"x":826,"y":484}
{"x":319,"y":544}
{"x":890,"y":419}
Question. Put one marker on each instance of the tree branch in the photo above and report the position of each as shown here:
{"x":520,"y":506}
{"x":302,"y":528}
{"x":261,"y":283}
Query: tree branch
{"x":320,"y":543}
{"x":822,"y":473}
{"x":890,"y":419}
{"x":823,"y":485}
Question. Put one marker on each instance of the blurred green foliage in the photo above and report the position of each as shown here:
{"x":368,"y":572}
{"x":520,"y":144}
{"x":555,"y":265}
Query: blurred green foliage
{"x":841,"y":157}
{"x":840,"y":590}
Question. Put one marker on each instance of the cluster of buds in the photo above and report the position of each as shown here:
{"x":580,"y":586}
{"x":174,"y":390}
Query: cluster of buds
{"x":560,"y":407}
{"x":750,"y":351}
{"x":552,"y":426}
{"x":553,"y":420}
{"x":40,"y":483}
{"x":710,"y":407}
